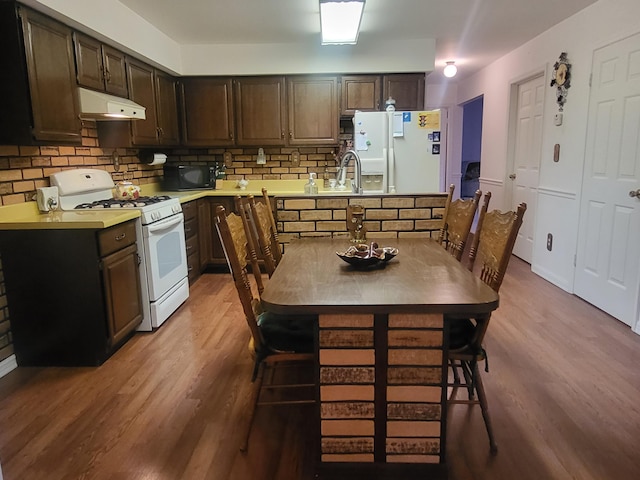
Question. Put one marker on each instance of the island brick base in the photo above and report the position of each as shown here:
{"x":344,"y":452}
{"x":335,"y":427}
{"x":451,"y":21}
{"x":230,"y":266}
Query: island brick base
{"x":385,"y":216}
{"x":381,"y":388}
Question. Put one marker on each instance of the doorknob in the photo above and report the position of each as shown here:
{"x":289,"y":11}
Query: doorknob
{"x":512,"y":176}
{"x":635,"y":193}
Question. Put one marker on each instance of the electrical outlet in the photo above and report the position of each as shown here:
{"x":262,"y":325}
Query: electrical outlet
{"x":549,"y":241}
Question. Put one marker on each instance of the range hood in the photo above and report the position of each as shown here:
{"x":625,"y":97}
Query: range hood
{"x":102,"y":106}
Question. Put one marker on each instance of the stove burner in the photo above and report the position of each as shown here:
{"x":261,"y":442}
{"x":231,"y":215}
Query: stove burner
{"x":113,"y":203}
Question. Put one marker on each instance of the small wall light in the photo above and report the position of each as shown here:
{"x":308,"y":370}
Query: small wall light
{"x":450,"y":70}
{"x":261,"y":160}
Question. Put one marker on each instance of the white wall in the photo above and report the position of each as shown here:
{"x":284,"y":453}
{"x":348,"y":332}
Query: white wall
{"x":557,"y":210}
{"x":373,"y":57}
{"x":111,"y":20}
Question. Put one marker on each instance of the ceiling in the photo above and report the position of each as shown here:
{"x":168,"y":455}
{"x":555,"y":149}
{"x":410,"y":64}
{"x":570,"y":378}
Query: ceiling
{"x":472,"y":32}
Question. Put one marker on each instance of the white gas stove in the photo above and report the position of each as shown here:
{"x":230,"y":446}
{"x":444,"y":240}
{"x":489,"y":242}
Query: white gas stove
{"x":91,"y":188}
{"x":160,"y":238}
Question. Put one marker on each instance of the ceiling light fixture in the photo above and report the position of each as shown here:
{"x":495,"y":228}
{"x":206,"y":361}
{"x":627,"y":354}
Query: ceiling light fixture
{"x":450,"y":70}
{"x":340,"y":21}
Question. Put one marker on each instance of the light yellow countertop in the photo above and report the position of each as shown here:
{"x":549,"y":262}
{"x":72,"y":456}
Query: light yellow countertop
{"x":26,"y":216}
{"x":227,"y":188}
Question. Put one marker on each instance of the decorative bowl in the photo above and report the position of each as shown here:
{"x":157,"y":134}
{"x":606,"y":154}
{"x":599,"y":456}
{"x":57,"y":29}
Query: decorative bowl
{"x":363,"y":255}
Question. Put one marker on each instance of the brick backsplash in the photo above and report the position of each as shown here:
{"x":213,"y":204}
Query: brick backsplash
{"x":23,"y":169}
{"x":280,"y":165}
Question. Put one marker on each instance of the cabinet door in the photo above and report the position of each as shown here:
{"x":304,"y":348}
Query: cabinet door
{"x":313,"y":110}
{"x":167,"y":109}
{"x":211,"y":251}
{"x":122,"y":292}
{"x":89,"y":67}
{"x":99,"y":66}
{"x":360,"y":92}
{"x":260,"y":110}
{"x":115,"y":71}
{"x":207,"y":111}
{"x":141,"y":90}
{"x":52,"y":82}
{"x":406,"y":89}
{"x":206,"y":232}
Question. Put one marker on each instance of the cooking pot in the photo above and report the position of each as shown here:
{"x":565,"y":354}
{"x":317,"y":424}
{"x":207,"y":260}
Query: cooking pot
{"x":126,"y":191}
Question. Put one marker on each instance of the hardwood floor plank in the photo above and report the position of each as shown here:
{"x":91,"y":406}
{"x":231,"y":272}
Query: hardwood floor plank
{"x":562,"y":388}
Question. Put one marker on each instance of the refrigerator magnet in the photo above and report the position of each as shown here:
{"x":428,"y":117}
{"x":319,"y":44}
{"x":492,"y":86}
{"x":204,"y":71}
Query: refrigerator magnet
{"x":436,"y":136}
{"x":435,"y":149}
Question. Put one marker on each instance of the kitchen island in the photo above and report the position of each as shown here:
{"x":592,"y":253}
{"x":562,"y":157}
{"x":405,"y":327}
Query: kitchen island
{"x":381,"y":351}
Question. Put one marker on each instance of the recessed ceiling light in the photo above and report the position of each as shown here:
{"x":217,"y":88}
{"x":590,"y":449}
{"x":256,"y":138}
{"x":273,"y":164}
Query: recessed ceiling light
{"x":340,"y":21}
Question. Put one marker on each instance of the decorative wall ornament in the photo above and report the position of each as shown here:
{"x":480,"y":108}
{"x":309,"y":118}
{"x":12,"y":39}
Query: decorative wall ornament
{"x":561,"y":79}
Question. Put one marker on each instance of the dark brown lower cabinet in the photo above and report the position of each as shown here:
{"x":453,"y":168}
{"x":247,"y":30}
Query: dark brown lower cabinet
{"x":213,"y":256}
{"x":73,"y":294}
{"x":122,"y":292}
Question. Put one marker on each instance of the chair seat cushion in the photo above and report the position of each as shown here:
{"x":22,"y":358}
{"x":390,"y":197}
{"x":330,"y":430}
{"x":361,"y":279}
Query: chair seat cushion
{"x":290,"y":333}
{"x":461,"y":331}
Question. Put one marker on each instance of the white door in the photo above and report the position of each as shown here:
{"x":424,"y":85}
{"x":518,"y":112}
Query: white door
{"x":526,"y":162}
{"x":417,"y":156}
{"x":608,"y":257}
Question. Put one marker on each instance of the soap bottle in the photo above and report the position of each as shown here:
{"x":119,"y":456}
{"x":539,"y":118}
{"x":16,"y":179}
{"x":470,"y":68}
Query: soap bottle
{"x":310,"y":188}
{"x":325,"y":176}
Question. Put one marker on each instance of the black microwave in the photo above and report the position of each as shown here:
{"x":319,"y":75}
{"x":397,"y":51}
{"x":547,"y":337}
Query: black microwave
{"x":189,"y":177}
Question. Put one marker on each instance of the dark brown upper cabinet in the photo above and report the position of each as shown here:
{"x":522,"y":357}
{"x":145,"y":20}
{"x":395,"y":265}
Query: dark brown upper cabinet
{"x":39,"y":102}
{"x":156,"y":91}
{"x":207,"y":111}
{"x":313,"y":110}
{"x":99,"y":66}
{"x":142,"y":91}
{"x":167,"y":108}
{"x":261,"y":115}
{"x":407,"y":89}
{"x":360,"y":92}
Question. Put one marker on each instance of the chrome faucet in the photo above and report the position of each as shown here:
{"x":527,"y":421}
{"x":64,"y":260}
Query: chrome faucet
{"x":342,"y":171}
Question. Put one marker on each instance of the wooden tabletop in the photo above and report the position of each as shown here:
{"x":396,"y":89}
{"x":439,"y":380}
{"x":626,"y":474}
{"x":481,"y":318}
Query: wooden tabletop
{"x":423,"y":277}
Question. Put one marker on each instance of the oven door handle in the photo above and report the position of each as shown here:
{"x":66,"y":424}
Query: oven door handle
{"x":165,"y":224}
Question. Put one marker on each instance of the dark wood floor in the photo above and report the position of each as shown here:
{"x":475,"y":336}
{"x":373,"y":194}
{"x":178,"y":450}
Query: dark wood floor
{"x":563,"y":387}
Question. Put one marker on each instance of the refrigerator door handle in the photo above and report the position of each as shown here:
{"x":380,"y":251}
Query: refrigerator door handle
{"x":391,"y":170}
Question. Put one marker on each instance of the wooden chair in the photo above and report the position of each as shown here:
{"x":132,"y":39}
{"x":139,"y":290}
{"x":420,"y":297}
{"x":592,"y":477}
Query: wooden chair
{"x":457,"y":221}
{"x":276,"y":249}
{"x":275,"y":339}
{"x":489,"y":255}
{"x":242,"y":207}
{"x":266,"y":237}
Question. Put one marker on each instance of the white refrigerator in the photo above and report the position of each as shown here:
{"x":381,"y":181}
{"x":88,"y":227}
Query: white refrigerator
{"x":400,"y":151}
